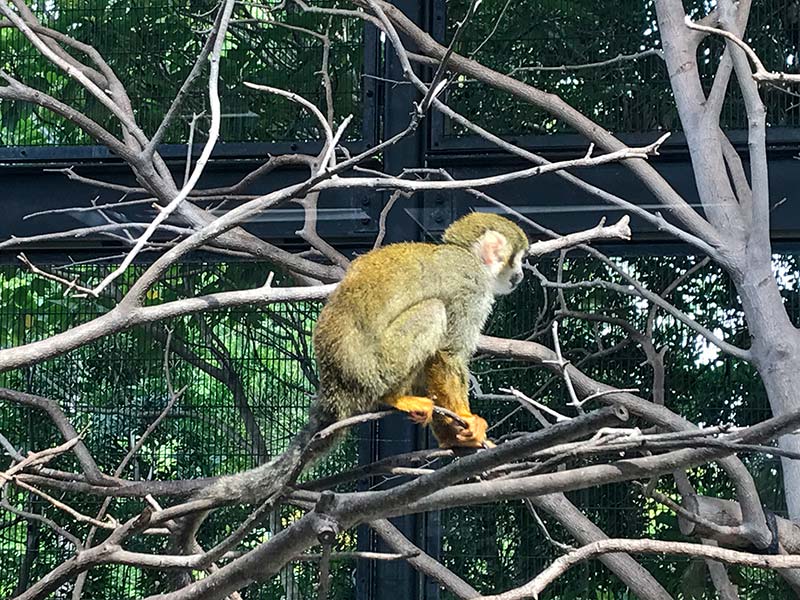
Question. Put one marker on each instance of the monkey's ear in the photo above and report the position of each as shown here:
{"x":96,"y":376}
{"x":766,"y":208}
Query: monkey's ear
{"x":491,"y":248}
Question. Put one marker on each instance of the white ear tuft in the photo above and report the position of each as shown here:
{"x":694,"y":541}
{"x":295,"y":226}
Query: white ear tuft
{"x":491,"y":250}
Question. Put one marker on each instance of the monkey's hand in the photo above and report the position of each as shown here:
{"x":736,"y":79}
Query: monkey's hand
{"x":419,"y":408}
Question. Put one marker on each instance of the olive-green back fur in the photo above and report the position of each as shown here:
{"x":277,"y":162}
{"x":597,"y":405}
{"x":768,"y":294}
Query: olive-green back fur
{"x":396,"y":307}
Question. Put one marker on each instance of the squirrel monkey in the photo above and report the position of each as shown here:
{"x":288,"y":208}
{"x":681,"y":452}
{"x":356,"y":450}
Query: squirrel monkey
{"x":402,"y":325}
{"x":399,"y":330}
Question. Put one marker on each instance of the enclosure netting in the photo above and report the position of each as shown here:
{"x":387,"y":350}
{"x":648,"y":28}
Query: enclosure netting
{"x":152,"y":46}
{"x":604,"y":59}
{"x":600,"y":57}
{"x":114,"y":388}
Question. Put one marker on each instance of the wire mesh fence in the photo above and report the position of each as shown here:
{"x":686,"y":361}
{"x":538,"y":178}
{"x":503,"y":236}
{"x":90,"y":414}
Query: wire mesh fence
{"x":700,"y":384}
{"x":152,"y":46}
{"x":114,"y":388}
{"x":603,"y":59}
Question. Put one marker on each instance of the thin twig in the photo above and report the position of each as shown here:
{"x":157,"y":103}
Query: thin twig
{"x":593,"y":65}
{"x":109,"y":523}
{"x":546,"y":409}
{"x":619,"y":231}
{"x":761,"y":73}
{"x":70,"y":284}
{"x":190,"y":147}
{"x":565,"y":374}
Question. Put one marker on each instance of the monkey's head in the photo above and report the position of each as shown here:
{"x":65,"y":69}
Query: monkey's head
{"x":498,"y":243}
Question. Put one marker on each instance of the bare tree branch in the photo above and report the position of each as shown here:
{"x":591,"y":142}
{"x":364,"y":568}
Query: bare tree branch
{"x":535,"y":587}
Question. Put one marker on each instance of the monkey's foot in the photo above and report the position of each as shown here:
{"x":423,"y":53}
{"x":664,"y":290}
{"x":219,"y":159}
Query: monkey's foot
{"x":419,"y":408}
{"x":474,"y":435}
{"x":471,"y":436}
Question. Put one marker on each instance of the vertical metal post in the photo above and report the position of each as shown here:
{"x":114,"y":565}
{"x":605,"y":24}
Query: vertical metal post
{"x":396,"y":435}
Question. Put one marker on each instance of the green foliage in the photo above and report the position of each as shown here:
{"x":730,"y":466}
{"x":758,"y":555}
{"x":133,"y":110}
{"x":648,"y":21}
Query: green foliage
{"x":116,"y":387}
{"x":152,"y":45}
{"x":624,"y":96}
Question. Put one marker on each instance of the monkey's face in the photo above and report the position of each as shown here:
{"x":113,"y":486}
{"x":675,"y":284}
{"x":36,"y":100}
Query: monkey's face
{"x":502,"y":261}
{"x":509,"y":276}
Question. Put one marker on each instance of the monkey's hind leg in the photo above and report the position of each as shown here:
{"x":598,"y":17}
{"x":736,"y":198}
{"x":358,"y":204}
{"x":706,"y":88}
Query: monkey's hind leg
{"x":446,"y":379}
{"x":405,"y":347}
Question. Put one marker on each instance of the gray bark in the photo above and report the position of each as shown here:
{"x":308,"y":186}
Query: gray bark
{"x":746,"y":253}
{"x":776,"y":355}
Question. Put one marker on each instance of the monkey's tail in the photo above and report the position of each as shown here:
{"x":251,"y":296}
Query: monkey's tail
{"x":260,"y":485}
{"x":270,"y":479}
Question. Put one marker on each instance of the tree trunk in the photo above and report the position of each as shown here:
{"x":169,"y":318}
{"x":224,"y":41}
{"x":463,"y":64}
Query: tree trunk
{"x":776,"y":355}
